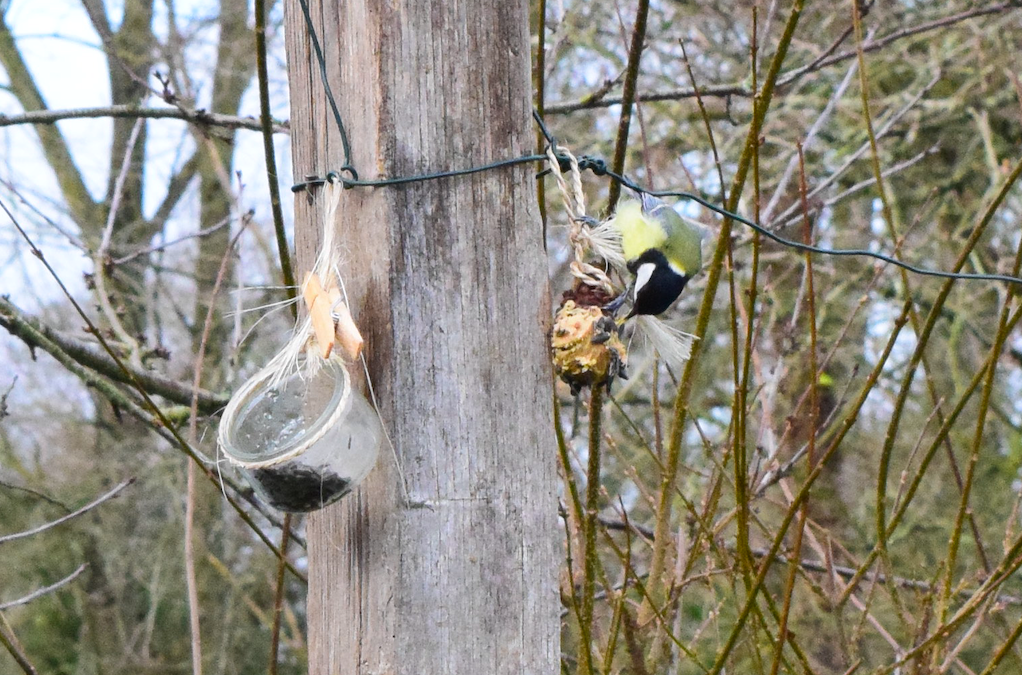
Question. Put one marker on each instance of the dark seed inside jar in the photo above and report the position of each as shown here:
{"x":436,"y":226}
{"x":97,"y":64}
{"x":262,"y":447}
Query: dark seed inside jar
{"x":300,"y":488}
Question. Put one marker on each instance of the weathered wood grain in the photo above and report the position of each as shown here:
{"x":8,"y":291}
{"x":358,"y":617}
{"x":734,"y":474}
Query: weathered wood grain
{"x":447,"y":281}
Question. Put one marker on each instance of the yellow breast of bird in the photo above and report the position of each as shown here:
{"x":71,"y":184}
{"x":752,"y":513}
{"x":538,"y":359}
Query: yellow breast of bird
{"x":638,"y":233}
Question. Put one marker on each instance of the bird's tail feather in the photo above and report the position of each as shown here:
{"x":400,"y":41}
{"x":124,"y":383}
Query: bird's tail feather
{"x":672,"y":345}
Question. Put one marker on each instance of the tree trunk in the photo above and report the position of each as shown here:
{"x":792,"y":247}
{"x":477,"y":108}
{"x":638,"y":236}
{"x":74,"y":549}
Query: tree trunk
{"x":234,"y":67}
{"x":447,"y":280}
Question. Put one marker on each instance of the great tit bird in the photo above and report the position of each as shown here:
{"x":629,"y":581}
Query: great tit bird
{"x":662,"y":250}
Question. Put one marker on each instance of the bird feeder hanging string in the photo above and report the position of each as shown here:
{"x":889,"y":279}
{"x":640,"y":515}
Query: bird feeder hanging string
{"x":326,"y":261}
{"x":578,"y":232}
{"x":328,"y":318}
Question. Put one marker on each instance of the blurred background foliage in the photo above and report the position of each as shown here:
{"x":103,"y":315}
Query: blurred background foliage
{"x":945,"y":104}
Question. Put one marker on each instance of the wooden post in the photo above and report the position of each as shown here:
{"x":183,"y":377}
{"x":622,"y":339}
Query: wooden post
{"x":447,"y":281}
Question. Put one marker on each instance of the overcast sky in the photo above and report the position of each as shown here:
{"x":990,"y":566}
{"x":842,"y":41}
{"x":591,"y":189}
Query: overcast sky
{"x":66,"y":58}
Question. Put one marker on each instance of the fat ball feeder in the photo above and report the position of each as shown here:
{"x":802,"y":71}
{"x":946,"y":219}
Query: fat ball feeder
{"x":646,"y":240}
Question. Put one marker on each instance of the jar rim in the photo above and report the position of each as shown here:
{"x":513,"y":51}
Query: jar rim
{"x":256,"y":388}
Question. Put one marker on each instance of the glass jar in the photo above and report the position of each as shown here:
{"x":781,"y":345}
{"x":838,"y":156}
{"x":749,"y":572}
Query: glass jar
{"x":305,"y":441}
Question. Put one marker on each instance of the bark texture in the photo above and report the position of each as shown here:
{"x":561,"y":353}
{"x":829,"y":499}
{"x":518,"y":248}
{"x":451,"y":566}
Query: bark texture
{"x":447,"y":280}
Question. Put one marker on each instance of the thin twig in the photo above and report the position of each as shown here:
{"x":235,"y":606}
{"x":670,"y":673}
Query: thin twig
{"x":665,"y":499}
{"x":589,"y":527}
{"x":60,"y":344}
{"x":200,"y":118}
{"x":200,"y":357}
{"x":115,"y":198}
{"x":167,"y":244}
{"x":278,"y":596}
{"x":71,"y":237}
{"x":800,"y":528}
{"x":3,"y":397}
{"x":807,"y":142}
{"x":164,"y":425}
{"x":739,"y":90}
{"x":10,"y":642}
{"x":628,"y":98}
{"x":100,"y":257}
{"x":268,"y":153}
{"x":60,"y":521}
{"x":808,"y":565}
{"x":40,"y":592}
{"x":35,"y":493}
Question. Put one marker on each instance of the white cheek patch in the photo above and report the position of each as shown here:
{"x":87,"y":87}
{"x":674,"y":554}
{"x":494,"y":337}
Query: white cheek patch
{"x":642,"y":276}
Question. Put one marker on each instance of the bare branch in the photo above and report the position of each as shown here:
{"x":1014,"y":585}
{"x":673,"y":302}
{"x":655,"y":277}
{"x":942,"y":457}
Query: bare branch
{"x":201,"y":118}
{"x":115,"y":198}
{"x":160,"y":247}
{"x":852,"y":158}
{"x":97,"y":15}
{"x":726,"y":90}
{"x":30,"y":330}
{"x":719,"y":91}
{"x":808,"y":565}
{"x":99,"y":259}
{"x":807,"y":142}
{"x":13,"y":647}
{"x":191,"y":583}
{"x":63,"y":519}
{"x":35,"y":493}
{"x":40,"y":592}
{"x":64,"y":232}
{"x":880,"y":43}
{"x":125,"y":402}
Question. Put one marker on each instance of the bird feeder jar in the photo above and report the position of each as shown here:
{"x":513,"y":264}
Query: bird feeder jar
{"x":305,"y":441}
